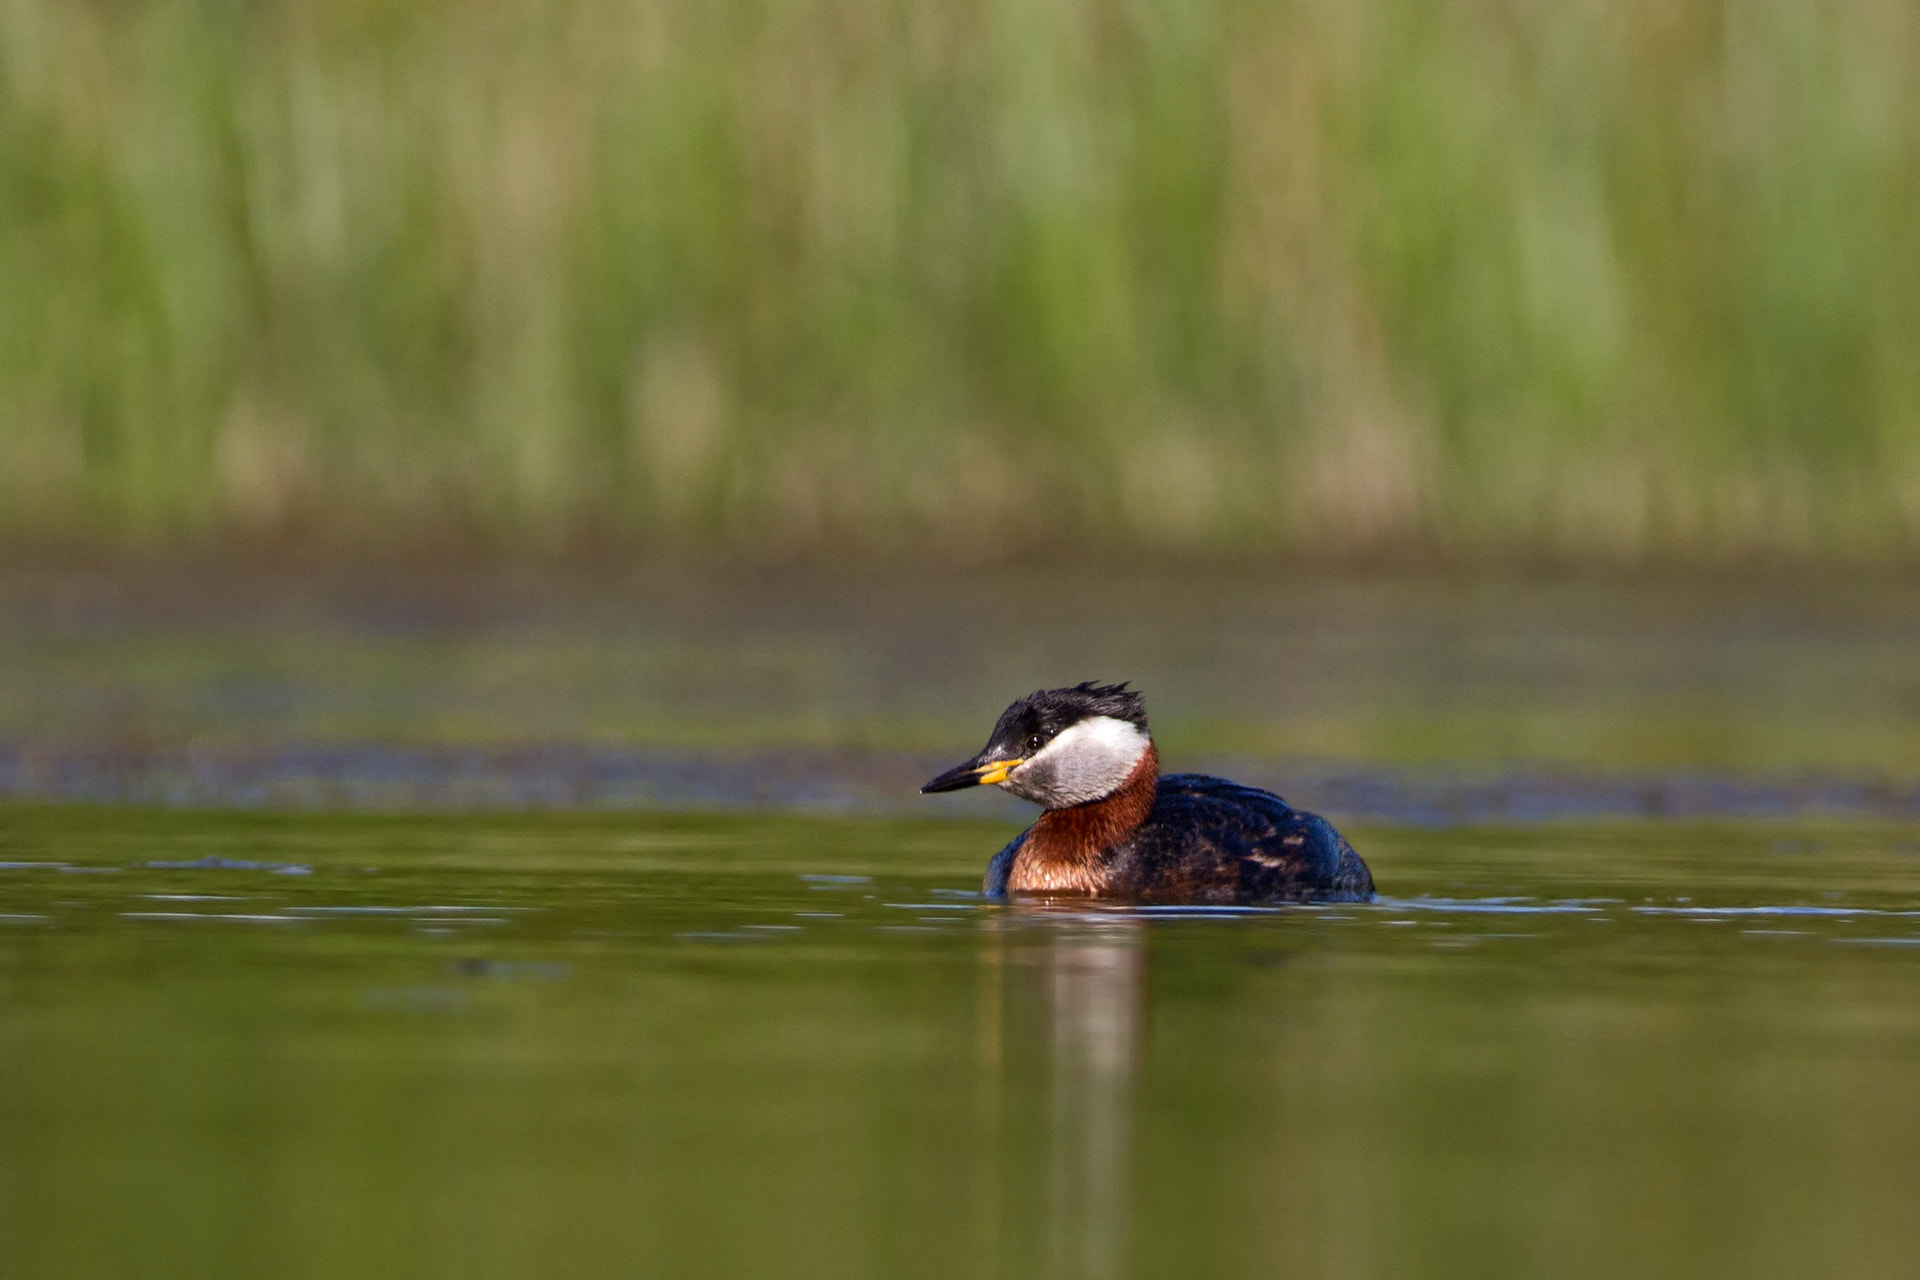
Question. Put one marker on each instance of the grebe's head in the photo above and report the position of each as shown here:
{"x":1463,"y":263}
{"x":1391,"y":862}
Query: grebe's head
{"x":1059,"y":747}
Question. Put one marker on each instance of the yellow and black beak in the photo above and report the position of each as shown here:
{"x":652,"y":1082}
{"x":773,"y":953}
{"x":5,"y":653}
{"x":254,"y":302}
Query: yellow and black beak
{"x":974,"y":773}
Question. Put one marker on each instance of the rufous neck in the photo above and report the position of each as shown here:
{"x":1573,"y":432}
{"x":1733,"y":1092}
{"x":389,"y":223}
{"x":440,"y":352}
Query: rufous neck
{"x":1090,"y":829}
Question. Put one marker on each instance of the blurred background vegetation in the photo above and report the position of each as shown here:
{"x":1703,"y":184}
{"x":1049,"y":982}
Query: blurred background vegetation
{"x":1608,"y":280}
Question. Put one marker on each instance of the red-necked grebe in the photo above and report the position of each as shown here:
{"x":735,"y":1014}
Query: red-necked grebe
{"x":1113,"y":827}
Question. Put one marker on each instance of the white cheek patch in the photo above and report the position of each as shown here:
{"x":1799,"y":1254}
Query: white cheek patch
{"x":1085,"y":762}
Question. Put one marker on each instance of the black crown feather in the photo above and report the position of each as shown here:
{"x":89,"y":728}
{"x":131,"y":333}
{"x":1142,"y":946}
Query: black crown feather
{"x":1045,"y":712}
{"x":1114,"y":700}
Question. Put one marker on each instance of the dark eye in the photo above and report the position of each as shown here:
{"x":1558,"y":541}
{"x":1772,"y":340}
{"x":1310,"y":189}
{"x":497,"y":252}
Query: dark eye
{"x":1034,"y":743}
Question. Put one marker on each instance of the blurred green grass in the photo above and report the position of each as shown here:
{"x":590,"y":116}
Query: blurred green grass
{"x":1615,"y":281}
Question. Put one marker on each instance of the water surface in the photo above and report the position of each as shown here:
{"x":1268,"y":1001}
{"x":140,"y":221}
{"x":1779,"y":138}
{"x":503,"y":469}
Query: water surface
{"x":726,"y":1045}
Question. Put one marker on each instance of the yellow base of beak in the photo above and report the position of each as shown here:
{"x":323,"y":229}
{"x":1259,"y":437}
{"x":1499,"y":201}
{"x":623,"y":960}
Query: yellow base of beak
{"x":998,"y":773}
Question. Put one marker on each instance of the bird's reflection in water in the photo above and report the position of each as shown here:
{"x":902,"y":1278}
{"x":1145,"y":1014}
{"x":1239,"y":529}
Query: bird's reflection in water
{"x":1077,"y":987}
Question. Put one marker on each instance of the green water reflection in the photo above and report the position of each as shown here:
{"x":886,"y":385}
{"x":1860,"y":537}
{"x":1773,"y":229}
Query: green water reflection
{"x":643,"y":1046}
{"x":1757,"y":679}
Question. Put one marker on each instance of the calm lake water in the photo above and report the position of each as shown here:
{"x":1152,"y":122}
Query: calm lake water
{"x":636,"y":1045}
{"x":517,"y":924}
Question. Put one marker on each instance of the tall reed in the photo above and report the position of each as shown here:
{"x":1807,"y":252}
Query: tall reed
{"x":1612,"y":279}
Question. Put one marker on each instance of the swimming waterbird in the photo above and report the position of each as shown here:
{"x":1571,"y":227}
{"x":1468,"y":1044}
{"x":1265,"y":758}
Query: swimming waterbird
{"x":1113,"y":827}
